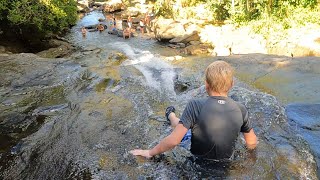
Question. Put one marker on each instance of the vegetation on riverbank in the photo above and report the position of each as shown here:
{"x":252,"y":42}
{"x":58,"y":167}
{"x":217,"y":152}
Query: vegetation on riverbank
{"x":261,"y":15}
{"x":37,"y":19}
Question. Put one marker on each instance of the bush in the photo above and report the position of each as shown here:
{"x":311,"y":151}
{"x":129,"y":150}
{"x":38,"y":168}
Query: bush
{"x":39,"y":17}
{"x":164,"y":8}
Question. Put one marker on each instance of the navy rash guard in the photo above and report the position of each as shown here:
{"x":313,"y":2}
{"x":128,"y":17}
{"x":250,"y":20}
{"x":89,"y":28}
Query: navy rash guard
{"x":215,"y":123}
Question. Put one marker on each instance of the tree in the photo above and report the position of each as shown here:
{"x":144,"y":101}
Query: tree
{"x":39,"y":17}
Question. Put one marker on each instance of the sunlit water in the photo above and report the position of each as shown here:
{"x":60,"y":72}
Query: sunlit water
{"x":101,"y":110}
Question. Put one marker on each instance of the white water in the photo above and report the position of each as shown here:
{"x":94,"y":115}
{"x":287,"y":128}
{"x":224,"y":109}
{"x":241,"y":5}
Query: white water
{"x":158,"y":74}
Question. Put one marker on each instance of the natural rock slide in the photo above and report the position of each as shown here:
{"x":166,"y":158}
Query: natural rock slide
{"x":77,"y":117}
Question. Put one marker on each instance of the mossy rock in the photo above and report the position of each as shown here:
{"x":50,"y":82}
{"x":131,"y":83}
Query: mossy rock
{"x":116,"y":58}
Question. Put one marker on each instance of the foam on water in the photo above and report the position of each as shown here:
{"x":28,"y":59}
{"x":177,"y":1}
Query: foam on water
{"x":158,"y":74}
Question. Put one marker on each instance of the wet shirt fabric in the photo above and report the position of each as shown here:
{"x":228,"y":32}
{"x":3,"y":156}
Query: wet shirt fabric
{"x":215,"y":123}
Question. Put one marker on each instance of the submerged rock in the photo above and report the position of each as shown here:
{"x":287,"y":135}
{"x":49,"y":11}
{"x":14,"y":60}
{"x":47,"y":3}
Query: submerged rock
{"x":116,"y":58}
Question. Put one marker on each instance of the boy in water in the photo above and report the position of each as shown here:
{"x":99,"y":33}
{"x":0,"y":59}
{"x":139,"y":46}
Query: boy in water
{"x":84,"y":31}
{"x":215,"y":122}
{"x":100,"y":28}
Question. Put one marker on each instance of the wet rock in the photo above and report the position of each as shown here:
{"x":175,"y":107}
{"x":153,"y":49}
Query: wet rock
{"x":90,"y":48}
{"x":181,"y":86}
{"x":173,"y":58}
{"x":198,"y":49}
{"x":305,"y":119}
{"x":48,"y":110}
{"x":116,"y":58}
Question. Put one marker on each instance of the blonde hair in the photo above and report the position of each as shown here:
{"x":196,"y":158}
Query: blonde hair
{"x":219,"y":76}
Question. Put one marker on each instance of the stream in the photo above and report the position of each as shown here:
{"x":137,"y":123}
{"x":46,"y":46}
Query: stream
{"x":77,"y":117}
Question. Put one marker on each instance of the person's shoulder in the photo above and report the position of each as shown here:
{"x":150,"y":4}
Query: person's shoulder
{"x":197,"y":102}
{"x":241,"y":106}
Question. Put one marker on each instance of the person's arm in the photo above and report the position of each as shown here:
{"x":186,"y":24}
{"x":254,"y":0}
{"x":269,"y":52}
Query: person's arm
{"x":166,"y":144}
{"x":251,"y":139}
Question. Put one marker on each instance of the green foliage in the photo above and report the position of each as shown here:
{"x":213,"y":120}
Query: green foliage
{"x":295,"y":17}
{"x":220,"y":9}
{"x":3,"y":8}
{"x":164,"y":8}
{"x":40,"y":17}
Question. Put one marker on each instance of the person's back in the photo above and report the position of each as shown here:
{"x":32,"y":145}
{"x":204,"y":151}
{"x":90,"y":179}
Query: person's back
{"x":215,"y":126}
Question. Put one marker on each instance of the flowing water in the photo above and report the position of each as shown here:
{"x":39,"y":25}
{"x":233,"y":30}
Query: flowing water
{"x":77,"y":118}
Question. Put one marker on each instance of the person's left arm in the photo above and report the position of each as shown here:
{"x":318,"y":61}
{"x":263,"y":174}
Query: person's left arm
{"x":166,"y":144}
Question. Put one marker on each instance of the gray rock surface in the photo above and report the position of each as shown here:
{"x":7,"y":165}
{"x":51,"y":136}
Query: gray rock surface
{"x":59,"y":49}
{"x":305,"y":120}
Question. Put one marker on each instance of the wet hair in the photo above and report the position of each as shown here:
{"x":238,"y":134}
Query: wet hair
{"x":219,"y":76}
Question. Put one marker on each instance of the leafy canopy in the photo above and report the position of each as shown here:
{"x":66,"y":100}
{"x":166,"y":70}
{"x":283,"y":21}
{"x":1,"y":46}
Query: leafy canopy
{"x":41,"y":17}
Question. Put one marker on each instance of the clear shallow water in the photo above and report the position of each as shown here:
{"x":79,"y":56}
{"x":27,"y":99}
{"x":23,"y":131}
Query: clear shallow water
{"x":114,"y":107}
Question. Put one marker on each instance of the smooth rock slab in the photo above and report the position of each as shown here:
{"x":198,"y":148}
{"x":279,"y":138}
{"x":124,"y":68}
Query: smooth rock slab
{"x":305,"y":119}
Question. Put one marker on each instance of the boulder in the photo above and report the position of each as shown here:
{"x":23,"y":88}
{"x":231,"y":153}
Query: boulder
{"x":181,"y":45}
{"x":113,"y":5}
{"x":132,"y":11}
{"x":194,"y":42}
{"x":167,"y":29}
{"x":59,"y":49}
{"x":83,"y":6}
{"x":186,"y":38}
{"x":198,"y":49}
{"x":98,"y":4}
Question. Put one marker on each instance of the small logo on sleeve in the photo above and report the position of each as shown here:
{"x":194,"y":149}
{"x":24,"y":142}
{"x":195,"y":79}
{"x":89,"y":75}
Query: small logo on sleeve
{"x":221,"y":101}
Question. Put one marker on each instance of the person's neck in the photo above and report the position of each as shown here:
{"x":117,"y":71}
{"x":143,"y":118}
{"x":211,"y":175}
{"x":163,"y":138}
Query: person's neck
{"x":212,"y":93}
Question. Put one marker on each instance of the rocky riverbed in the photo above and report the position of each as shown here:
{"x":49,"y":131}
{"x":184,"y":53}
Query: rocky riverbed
{"x":77,"y":117}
